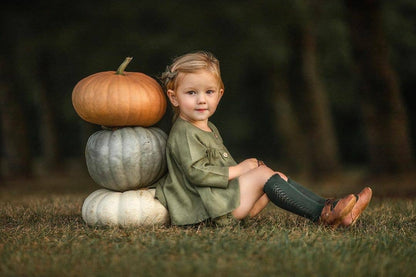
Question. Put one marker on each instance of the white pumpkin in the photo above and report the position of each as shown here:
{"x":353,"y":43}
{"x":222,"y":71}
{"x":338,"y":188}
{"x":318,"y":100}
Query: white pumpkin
{"x":126,"y":158}
{"x":125,"y":209}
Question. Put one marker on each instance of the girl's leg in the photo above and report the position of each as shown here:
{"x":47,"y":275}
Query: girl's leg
{"x":259,"y":205}
{"x":289,"y":195}
{"x":263,"y":200}
{"x":362,"y":201}
{"x":261,"y":184}
{"x":251,"y":191}
{"x":295,"y":198}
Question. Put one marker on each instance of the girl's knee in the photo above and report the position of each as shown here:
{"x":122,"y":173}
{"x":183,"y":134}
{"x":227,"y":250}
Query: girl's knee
{"x":283,"y":176}
{"x":266,"y":170}
{"x":264,"y":173}
{"x":256,"y":178}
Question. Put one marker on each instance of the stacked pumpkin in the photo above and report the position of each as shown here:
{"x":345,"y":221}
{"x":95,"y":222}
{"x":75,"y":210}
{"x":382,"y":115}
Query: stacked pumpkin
{"x":128,"y":155}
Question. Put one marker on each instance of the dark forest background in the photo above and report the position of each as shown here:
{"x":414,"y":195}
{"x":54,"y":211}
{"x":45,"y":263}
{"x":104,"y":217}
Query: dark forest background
{"x":311,"y":87}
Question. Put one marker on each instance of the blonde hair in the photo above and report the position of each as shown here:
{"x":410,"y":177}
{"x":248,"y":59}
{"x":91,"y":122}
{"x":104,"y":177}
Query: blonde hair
{"x":189,"y":63}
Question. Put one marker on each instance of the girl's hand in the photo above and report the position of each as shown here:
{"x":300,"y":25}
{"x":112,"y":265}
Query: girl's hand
{"x":248,"y":165}
{"x":243,"y":167}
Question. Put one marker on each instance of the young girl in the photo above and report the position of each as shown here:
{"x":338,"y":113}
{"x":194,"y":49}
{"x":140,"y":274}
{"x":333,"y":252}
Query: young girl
{"x":203,"y":180}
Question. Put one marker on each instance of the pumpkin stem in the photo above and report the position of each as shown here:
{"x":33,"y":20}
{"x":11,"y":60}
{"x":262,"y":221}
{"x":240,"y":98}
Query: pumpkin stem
{"x":122,"y":67}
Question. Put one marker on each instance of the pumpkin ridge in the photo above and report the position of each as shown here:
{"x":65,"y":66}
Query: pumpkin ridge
{"x":144,"y":208}
{"x":97,"y":99}
{"x":158,"y":97}
{"x":107,"y":162}
{"x":138,"y":133}
{"x":140,"y":205}
{"x":155,"y":166}
{"x":89,"y":211}
{"x":97,"y":147}
{"x":155,"y":102}
{"x":140,"y":93}
{"x":131,"y":107}
{"x":115,"y":99}
{"x":118,"y":170}
{"x":102,"y":216}
{"x":92,"y":167}
{"x":126,"y":136}
{"x":153,"y":142}
{"x":120,"y":218}
{"x":79,"y":99}
{"x":86,"y":97}
{"x":150,"y":104}
{"x":125,"y":116}
{"x":152,"y":99}
{"x":161,"y":140}
{"x":136,"y":105}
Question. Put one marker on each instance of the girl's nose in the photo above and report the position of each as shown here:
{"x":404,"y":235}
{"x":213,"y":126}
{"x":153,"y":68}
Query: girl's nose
{"x":201,"y":98}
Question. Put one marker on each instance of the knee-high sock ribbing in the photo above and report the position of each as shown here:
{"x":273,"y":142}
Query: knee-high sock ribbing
{"x":294,"y":198}
{"x":307,"y":192}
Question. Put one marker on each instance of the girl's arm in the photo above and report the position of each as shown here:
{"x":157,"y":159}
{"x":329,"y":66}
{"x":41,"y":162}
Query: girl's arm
{"x":241,"y":168}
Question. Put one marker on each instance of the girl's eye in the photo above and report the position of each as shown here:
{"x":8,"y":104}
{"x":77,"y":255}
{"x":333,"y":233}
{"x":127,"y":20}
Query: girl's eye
{"x":191,"y":92}
{"x":210,"y":91}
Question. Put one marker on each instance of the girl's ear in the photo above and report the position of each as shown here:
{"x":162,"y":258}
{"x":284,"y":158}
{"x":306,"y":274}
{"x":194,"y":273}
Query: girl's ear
{"x":172,"y":97}
{"x":221,"y":93}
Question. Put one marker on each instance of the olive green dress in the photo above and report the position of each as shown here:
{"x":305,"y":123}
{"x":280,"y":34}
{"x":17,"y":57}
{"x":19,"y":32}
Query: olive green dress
{"x":196,"y":187}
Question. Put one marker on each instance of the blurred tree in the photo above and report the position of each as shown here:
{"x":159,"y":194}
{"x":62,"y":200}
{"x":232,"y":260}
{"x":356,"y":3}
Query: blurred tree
{"x":16,"y":154}
{"x":315,"y":109}
{"x":384,"y":114}
{"x":400,"y":29}
{"x":32,"y":50}
{"x":293,"y":142}
{"x":304,"y":121}
{"x":51,"y":153}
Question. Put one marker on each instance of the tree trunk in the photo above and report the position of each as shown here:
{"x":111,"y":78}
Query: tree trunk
{"x":293,"y":142}
{"x":315,"y":111}
{"x":384,"y":114}
{"x":15,"y":150}
{"x":51,"y":154}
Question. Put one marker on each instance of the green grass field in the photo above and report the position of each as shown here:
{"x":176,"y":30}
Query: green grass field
{"x":42,"y":234}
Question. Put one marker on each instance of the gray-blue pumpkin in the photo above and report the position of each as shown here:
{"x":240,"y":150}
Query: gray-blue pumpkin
{"x":126,"y":158}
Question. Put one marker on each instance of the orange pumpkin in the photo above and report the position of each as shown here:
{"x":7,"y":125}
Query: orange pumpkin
{"x":119,"y":98}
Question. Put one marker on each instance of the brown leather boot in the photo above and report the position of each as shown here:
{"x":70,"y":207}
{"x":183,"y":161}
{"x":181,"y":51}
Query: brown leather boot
{"x":333,"y":214}
{"x":364,"y":198}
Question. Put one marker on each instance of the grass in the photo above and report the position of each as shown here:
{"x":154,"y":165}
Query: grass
{"x":42,"y":234}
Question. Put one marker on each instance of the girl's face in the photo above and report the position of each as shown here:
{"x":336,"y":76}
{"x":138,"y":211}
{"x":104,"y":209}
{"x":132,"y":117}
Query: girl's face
{"x":197,"y":96}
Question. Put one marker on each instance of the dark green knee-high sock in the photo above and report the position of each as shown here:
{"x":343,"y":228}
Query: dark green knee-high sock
{"x":293,"y":197}
{"x":307,"y":192}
